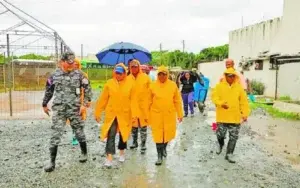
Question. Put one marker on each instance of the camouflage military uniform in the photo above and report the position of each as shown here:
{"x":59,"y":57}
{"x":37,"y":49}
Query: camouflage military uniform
{"x":66,"y":89}
{"x":66,"y":104}
{"x":233,"y":130}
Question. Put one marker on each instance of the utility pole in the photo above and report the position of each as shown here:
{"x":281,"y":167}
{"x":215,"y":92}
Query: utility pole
{"x":183,"y":46}
{"x":81,"y":51}
{"x":242,"y":21}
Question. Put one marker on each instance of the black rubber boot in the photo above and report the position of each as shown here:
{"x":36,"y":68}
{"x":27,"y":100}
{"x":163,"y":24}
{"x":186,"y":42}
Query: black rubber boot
{"x":83,"y":157}
{"x":159,"y":148}
{"x":143,"y":134}
{"x":134,"y":133}
{"x":51,"y":166}
{"x":221,"y":144}
{"x":165,"y":149}
{"x":229,"y":153}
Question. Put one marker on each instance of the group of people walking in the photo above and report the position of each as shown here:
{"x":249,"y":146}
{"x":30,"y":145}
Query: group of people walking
{"x":131,"y":102}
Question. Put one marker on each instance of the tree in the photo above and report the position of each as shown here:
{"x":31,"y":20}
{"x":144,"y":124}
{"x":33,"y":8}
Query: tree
{"x":189,"y":60}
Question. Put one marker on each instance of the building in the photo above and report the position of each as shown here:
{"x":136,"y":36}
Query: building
{"x":259,"y":48}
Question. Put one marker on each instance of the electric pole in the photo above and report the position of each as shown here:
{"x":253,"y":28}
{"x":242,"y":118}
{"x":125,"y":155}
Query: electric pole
{"x":183,"y":46}
{"x":81,"y":51}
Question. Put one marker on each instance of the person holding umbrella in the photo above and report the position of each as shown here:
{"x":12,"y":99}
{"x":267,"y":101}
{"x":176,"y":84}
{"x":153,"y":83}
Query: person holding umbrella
{"x":187,"y":79}
{"x":141,"y":89}
{"x":164,"y":108}
{"x":119,"y":105}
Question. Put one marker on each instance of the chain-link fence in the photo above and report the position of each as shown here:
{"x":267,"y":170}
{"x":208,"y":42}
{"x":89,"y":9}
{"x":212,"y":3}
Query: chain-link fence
{"x":23,"y":98}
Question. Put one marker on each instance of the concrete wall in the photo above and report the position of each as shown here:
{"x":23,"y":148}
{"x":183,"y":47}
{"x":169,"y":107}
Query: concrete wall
{"x":287,"y":41}
{"x":252,"y":40}
{"x":289,"y":80}
{"x":288,"y":77}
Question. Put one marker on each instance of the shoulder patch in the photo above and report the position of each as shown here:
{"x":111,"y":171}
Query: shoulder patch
{"x":85,"y":81}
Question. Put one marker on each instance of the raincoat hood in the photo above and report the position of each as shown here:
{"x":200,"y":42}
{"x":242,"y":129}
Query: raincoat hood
{"x":232,"y":72}
{"x":76,"y":60}
{"x":119,"y":65}
{"x":163,"y":69}
{"x":135,"y":62}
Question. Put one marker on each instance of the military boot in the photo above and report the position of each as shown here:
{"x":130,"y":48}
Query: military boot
{"x":134,"y":134}
{"x":83,"y":157}
{"x":143,"y":139}
{"x":221,"y":144}
{"x":229,"y":153}
{"x":51,"y":166}
{"x":165,"y":149}
{"x":159,"y":148}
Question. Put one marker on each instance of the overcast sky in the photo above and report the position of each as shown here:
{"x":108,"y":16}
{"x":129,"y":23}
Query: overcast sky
{"x":98,"y":23}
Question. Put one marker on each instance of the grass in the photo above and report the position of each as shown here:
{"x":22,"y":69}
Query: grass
{"x":97,"y":84}
{"x":275,"y":112}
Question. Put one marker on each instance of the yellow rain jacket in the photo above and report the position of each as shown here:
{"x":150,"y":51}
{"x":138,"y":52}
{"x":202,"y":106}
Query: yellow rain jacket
{"x":165,"y":108}
{"x":234,"y":96}
{"x":141,"y":96}
{"x":84,"y":114}
{"x":117,"y":101}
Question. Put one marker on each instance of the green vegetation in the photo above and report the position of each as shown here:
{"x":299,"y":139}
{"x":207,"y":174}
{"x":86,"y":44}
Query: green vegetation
{"x":285,"y":98}
{"x":189,"y":60}
{"x":97,"y":84}
{"x":275,"y":112}
{"x":34,"y":56}
{"x":258,"y":88}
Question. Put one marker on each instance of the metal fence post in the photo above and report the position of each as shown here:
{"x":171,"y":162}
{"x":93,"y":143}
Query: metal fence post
{"x":9,"y":76}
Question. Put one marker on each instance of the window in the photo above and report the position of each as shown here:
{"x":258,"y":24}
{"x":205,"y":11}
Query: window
{"x":259,"y":65}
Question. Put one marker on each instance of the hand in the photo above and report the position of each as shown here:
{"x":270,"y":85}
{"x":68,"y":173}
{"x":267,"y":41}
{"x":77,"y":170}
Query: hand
{"x":225,"y":106}
{"x":244,"y":119}
{"x":46,"y":110}
{"x":179,"y":120}
{"x":82,"y":110}
{"x":98,"y":119}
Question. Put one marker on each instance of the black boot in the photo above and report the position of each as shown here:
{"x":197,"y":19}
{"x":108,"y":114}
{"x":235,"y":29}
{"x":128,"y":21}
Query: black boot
{"x":134,"y":133}
{"x":229,"y":153}
{"x":143,"y":139}
{"x":83,"y":157}
{"x":165,"y":149}
{"x":51,"y":166}
{"x":159,"y":148}
{"x":221,"y":144}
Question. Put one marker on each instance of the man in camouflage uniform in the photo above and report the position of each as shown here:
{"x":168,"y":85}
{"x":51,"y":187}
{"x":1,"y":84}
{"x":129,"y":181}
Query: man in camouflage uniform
{"x":65,"y":84}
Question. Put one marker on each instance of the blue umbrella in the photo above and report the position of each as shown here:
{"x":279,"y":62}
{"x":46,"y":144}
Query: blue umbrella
{"x":122,"y":52}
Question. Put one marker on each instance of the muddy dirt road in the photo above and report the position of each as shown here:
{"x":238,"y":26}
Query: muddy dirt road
{"x":191,"y":161}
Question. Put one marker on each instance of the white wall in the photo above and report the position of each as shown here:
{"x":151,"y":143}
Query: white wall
{"x":289,"y":80}
{"x":212,"y":70}
{"x":252,"y":40}
{"x":288,"y":41}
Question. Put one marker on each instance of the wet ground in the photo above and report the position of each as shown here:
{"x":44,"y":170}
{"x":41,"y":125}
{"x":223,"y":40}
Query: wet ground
{"x":191,"y":160}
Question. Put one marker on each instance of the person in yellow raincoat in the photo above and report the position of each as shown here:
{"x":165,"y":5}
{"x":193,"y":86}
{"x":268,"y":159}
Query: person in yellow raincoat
{"x":77,"y":66}
{"x":141,"y":90}
{"x":165,"y":107}
{"x":232,"y":108}
{"x":117,"y":102}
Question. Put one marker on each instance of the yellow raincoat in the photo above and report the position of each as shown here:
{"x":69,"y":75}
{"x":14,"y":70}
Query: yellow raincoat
{"x":234,"y":96}
{"x":165,"y":107}
{"x":141,"y":96}
{"x":84,"y":114}
{"x":116,"y":101}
